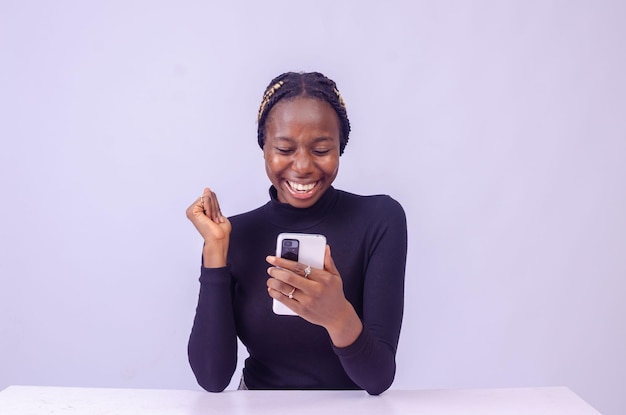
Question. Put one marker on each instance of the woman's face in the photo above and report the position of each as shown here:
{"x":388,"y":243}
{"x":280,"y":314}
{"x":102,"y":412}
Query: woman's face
{"x":301,"y":149}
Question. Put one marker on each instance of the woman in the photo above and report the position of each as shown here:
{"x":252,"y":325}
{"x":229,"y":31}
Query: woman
{"x":350,"y":312}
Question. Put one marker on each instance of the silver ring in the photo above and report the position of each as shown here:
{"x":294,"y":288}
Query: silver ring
{"x":307,"y":271}
{"x":291,"y":293}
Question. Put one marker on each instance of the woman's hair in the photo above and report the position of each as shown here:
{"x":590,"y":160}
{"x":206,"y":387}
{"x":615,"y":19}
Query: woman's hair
{"x":310,"y":85}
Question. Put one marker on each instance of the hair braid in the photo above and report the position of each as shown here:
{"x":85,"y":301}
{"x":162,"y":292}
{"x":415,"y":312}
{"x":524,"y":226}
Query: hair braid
{"x":303,"y":84}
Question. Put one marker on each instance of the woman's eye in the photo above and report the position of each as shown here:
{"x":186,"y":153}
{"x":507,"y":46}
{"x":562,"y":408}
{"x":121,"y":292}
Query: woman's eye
{"x":283,"y":150}
{"x":321,"y":151}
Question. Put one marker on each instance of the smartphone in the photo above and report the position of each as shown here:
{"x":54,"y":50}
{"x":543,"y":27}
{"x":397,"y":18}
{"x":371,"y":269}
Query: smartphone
{"x":306,"y":248}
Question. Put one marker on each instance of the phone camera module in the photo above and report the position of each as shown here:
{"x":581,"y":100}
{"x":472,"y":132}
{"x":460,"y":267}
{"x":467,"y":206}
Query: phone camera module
{"x":290,"y":249}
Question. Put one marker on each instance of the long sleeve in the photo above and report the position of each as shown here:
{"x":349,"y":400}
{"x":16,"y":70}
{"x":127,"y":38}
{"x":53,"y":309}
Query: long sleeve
{"x":212,"y":348}
{"x":370,"y":360}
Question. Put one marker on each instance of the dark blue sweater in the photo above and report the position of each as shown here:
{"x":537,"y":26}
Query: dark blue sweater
{"x":368,"y":240}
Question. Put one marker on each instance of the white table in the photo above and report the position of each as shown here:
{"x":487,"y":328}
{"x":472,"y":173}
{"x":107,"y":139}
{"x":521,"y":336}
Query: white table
{"x":23,"y":400}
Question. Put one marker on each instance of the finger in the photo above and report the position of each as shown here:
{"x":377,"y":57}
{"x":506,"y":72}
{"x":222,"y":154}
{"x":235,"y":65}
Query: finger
{"x":329,"y":263}
{"x":281,"y":287}
{"x":275,"y":294}
{"x":217,"y":213}
{"x":288,"y":277}
{"x":211,"y":206}
{"x":204,"y":200}
{"x":291,"y":303}
{"x":303,"y":270}
{"x":281,"y":262}
{"x":195,"y":209}
{"x":217,"y":209}
{"x":207,"y":197}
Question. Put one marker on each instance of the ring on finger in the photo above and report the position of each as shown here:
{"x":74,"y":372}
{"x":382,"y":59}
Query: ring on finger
{"x":307,"y":271}
{"x":290,"y":295}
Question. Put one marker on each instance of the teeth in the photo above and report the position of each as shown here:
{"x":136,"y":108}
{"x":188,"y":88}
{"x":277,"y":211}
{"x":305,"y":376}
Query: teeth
{"x":301,"y":187}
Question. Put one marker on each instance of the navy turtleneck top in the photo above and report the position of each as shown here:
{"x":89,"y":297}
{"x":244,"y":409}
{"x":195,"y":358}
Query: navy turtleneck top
{"x":368,"y":240}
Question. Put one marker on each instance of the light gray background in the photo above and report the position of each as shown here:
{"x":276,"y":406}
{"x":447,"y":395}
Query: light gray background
{"x":499,"y":125}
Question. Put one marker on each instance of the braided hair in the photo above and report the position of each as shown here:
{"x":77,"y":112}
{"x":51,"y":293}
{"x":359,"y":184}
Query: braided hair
{"x":303,"y":84}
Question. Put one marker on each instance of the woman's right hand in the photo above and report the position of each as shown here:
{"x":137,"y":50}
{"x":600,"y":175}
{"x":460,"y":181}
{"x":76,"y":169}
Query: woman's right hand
{"x":206,"y":216}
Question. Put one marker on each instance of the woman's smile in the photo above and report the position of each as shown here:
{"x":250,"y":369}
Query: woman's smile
{"x":301,"y":191}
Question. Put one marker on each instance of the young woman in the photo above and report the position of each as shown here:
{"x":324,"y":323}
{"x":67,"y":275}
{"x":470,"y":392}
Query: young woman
{"x":349,"y":313}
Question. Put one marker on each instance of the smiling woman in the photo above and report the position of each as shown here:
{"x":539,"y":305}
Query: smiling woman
{"x":348,"y":314}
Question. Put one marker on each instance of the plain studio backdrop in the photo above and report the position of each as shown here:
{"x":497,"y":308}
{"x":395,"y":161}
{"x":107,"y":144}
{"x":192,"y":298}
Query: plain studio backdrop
{"x":499,"y":125}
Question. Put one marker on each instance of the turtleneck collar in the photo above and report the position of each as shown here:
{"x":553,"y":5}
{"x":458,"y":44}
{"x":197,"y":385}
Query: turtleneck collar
{"x":299,"y":219}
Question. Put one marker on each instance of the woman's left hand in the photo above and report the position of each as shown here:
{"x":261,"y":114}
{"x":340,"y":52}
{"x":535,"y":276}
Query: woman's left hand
{"x":319,"y":298}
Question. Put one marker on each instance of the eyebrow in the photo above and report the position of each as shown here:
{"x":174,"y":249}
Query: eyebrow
{"x":315,"y":140}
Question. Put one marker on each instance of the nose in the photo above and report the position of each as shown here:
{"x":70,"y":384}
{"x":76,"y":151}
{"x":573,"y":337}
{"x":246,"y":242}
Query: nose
{"x":302,"y":162}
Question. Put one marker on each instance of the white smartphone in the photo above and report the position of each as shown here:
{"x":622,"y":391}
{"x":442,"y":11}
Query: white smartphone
{"x":306,"y":248}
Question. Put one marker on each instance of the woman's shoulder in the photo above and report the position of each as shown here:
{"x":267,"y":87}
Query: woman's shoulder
{"x":369,"y":202}
{"x":375,"y":214}
{"x":377,"y":208}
